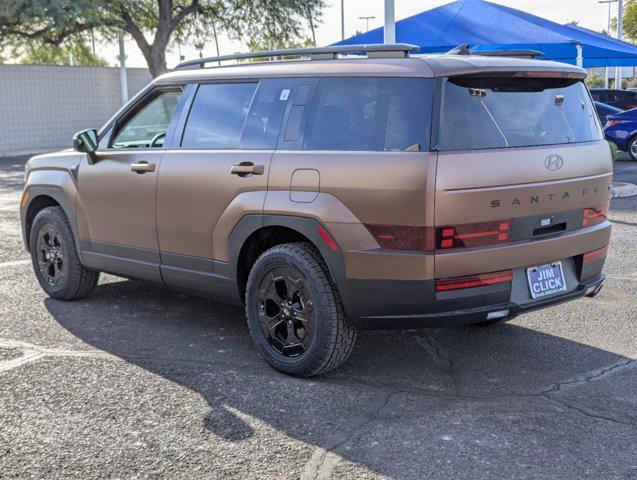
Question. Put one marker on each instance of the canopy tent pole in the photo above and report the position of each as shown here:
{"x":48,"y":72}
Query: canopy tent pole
{"x":620,"y":15}
{"x":390,"y":22}
{"x":606,"y":69}
{"x":342,"y":19}
{"x":580,"y":58}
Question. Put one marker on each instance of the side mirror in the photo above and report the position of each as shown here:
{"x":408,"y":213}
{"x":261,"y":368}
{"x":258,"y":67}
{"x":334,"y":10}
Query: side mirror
{"x":86,"y":141}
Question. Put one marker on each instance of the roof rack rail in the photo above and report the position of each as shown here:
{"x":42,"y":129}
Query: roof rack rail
{"x":464,"y":49}
{"x":321,"y":53}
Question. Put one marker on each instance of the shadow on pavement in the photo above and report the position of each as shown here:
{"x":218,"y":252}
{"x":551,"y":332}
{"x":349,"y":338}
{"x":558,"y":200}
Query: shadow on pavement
{"x":206,"y":347}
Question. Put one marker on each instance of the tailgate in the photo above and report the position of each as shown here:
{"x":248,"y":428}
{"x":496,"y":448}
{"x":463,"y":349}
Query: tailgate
{"x":533,"y":187}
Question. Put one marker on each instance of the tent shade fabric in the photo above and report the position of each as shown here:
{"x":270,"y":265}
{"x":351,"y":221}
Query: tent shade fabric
{"x":488,"y":26}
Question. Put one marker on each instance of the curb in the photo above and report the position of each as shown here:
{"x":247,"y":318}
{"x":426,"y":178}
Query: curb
{"x":623,"y":189}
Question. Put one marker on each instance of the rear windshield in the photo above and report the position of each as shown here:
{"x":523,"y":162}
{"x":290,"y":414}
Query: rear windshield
{"x":482,"y":112}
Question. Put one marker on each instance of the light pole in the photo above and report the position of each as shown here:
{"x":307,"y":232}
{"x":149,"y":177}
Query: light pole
{"x":608,"y":33}
{"x":123,"y":81}
{"x":367,"y":19}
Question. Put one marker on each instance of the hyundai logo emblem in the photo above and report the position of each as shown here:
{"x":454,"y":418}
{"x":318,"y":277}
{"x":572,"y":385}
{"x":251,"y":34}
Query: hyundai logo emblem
{"x":553,"y":162}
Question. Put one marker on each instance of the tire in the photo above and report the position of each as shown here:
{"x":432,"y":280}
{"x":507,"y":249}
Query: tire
{"x":55,"y":260}
{"x":631,"y":148}
{"x":308,"y":335}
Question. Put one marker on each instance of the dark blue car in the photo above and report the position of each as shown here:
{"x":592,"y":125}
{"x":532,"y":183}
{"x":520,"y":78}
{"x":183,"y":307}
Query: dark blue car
{"x":621,"y":129}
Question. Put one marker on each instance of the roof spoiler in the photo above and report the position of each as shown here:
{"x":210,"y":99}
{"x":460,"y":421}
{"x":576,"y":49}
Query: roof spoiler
{"x":393,"y":50}
{"x":517,"y":53}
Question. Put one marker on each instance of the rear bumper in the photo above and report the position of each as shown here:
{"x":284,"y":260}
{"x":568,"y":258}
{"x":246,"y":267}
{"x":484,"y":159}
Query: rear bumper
{"x":476,"y":314}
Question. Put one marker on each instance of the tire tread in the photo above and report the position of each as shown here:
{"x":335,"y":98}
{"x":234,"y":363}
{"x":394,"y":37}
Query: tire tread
{"x":82,"y":281}
{"x":342,"y":336}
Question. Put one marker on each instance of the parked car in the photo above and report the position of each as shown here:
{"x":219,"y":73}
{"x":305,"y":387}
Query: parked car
{"x":623,"y":99}
{"x":332,"y":194}
{"x":621,"y":129}
{"x":604,"y":111}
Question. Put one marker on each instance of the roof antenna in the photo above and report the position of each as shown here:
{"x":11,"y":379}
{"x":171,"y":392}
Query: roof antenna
{"x":460,"y":50}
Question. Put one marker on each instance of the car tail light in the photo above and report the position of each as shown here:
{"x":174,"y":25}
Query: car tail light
{"x":473,"y":234}
{"x":594,"y":216}
{"x":402,"y":237}
{"x":472,"y":281}
{"x":594,"y":255}
{"x":612,"y":123}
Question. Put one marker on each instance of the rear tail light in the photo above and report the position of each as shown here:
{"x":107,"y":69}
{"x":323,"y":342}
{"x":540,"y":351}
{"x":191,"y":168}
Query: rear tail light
{"x":472,"y":281}
{"x":594,"y":255}
{"x":440,"y":238}
{"x":473,"y":234}
{"x":612,"y":123}
{"x":594,"y":216}
{"x":402,"y":237}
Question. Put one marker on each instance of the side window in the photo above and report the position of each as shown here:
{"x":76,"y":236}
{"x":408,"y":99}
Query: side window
{"x":217,"y":115}
{"x":262,"y":126}
{"x":370,"y":114}
{"x":148,"y":127}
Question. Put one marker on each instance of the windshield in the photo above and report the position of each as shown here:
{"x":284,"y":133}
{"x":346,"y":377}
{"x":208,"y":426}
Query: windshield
{"x":483,"y":112}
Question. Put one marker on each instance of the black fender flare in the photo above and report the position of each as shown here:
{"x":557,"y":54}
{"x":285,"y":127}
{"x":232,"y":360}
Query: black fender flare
{"x":57,"y":194}
{"x":308,"y":227}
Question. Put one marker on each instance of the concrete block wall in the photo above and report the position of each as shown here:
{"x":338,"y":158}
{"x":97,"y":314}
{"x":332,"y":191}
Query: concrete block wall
{"x":42,"y":106}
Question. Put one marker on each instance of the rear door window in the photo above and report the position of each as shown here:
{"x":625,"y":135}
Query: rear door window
{"x":370,"y":114}
{"x":262,"y":126}
{"x":479,"y":113}
{"x":217,"y":115}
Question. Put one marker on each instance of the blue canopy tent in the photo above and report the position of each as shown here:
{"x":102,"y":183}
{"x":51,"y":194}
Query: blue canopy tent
{"x":488,"y":26}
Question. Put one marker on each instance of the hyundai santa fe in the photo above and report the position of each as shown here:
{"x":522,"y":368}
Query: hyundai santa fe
{"x":330,"y":192}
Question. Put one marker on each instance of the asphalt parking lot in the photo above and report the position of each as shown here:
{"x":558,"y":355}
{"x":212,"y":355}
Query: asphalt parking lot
{"x":138,"y":382}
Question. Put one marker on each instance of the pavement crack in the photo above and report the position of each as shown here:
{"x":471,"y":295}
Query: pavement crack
{"x":324,"y":460}
{"x":430,"y":345}
{"x":590,"y":376}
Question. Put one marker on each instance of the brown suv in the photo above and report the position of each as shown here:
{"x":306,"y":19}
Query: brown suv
{"x":336,"y":192}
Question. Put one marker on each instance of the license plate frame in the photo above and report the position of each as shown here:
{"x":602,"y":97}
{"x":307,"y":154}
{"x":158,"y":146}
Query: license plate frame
{"x":545,"y":280}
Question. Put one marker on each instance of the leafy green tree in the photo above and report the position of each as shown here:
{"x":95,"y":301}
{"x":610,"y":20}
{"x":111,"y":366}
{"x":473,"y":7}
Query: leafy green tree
{"x":72,"y":50}
{"x":153,"y":23}
{"x":594,"y":81}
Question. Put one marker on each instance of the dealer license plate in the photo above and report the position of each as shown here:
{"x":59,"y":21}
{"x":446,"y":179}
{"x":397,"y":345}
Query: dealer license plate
{"x":546,"y":279}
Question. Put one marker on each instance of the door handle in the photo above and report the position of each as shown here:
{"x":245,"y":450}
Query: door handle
{"x":142,"y":167}
{"x":247,"y":168}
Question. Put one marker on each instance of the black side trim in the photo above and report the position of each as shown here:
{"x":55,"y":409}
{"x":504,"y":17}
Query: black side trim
{"x":121,"y":260}
{"x":199,"y":276}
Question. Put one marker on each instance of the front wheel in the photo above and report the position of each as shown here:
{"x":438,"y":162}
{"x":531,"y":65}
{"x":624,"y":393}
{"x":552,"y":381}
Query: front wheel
{"x":632,"y":148}
{"x":294,"y":312}
{"x":55,"y":260}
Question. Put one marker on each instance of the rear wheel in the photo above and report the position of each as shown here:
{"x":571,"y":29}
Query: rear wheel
{"x":632,"y":148}
{"x":294,"y":312}
{"x":55,"y":259}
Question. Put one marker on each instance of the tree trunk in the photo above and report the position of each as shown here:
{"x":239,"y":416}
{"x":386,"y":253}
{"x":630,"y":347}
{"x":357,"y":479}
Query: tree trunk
{"x":156,"y":59}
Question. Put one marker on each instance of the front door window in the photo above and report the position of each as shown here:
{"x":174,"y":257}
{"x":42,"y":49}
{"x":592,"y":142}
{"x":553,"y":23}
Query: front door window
{"x":147,"y":128}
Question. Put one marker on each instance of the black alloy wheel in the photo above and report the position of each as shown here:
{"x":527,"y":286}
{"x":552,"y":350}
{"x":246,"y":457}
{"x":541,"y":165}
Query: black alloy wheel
{"x":51,"y":255}
{"x":286,"y":311}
